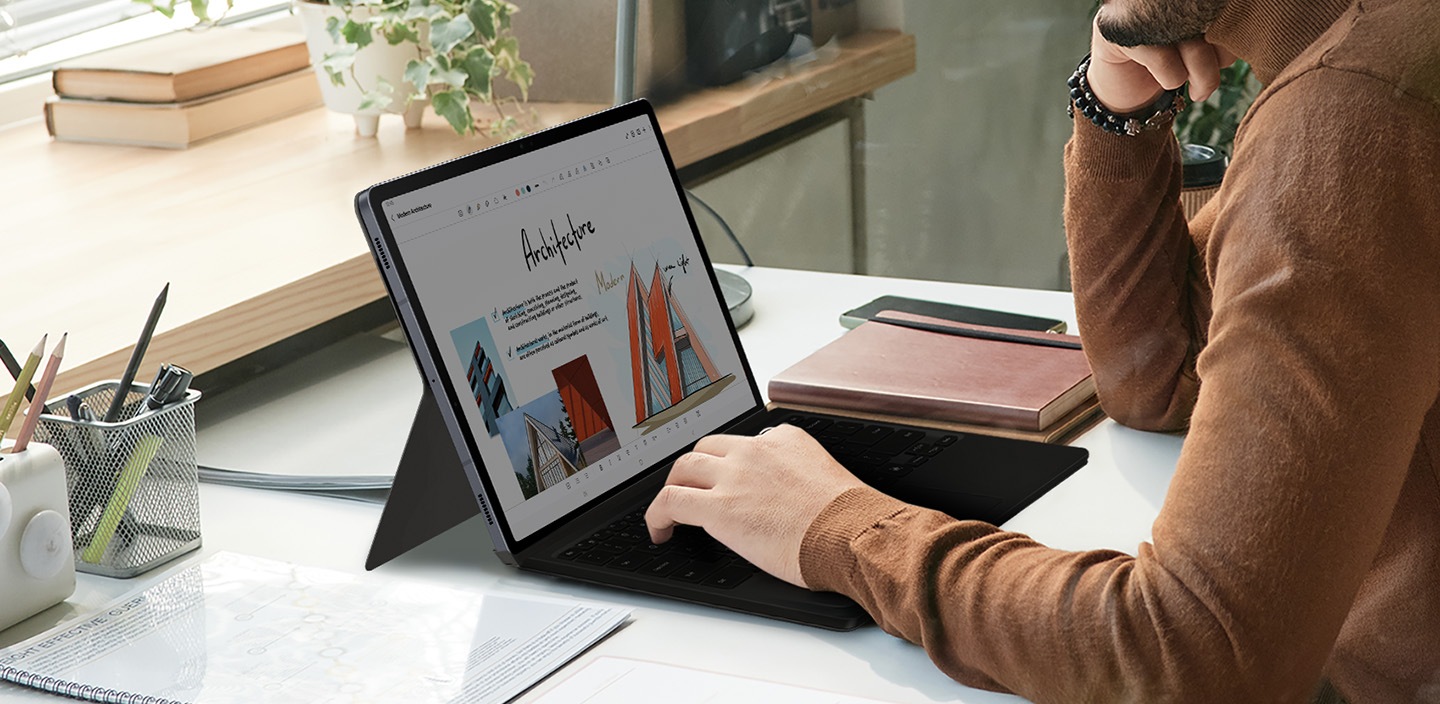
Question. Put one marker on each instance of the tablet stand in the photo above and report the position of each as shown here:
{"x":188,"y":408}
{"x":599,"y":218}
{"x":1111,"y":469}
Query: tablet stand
{"x":430,"y":495}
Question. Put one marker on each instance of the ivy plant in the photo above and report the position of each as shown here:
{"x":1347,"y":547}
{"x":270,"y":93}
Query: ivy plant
{"x":461,"y":48}
{"x":468,"y":46}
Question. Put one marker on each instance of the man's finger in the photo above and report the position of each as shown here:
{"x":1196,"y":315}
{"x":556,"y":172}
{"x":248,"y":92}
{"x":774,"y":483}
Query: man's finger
{"x":1203,"y":67}
{"x":720,"y":445}
{"x":1163,"y":62}
{"x":695,"y":469}
{"x":675,"y":505}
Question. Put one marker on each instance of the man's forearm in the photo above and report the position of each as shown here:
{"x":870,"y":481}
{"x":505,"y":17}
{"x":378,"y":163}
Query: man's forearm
{"x":1133,"y":274}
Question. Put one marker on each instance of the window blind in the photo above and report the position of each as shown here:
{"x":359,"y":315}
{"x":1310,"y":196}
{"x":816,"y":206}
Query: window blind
{"x":28,"y":24}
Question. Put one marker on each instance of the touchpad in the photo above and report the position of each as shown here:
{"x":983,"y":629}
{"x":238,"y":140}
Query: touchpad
{"x":959,"y":504}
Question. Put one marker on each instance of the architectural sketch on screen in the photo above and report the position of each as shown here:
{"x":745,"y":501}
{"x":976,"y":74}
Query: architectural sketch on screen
{"x":668,"y":364}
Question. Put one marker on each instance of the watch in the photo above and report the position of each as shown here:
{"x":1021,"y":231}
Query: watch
{"x":1151,"y":117}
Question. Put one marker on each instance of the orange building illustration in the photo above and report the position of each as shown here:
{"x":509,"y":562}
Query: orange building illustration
{"x":581,"y":395}
{"x":667,"y":362}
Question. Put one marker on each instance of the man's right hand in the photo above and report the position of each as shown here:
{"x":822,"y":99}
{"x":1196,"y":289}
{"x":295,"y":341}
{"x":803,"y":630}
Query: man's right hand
{"x":1126,"y":79}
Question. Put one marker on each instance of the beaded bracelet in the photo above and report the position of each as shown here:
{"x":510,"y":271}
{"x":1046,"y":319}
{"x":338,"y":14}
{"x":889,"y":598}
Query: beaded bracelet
{"x":1152,"y":117}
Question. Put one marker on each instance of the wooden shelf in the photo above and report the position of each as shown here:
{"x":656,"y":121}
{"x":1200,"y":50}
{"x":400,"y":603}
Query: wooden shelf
{"x":256,"y":231}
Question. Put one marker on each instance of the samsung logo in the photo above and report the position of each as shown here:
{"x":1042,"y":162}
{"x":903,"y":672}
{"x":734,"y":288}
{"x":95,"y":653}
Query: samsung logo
{"x":412,"y":211}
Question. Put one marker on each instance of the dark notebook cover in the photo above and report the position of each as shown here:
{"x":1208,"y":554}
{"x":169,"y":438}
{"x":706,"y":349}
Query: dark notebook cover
{"x":885,"y":368}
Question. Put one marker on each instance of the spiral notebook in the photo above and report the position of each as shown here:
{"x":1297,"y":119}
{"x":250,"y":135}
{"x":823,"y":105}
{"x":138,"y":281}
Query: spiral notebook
{"x":238,"y":628}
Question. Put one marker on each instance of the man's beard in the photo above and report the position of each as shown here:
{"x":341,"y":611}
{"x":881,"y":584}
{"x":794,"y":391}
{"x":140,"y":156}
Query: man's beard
{"x":1156,"y":22}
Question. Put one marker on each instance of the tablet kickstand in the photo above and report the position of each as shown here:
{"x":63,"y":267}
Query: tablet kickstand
{"x":430,"y":495}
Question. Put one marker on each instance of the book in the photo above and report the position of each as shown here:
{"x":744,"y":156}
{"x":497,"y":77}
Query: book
{"x":182,"y":66}
{"x":240,"y":628}
{"x":179,"y":125}
{"x":948,"y":372}
{"x":1062,"y":431}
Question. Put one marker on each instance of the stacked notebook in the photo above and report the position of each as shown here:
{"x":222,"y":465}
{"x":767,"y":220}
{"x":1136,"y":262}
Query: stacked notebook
{"x":901,"y":367}
{"x":178,"y":89}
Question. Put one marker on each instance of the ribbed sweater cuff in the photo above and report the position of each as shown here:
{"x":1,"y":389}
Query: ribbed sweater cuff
{"x":1097,"y":154}
{"x":827,"y":562}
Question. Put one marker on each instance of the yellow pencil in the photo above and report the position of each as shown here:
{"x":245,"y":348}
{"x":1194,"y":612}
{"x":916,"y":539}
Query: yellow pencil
{"x":42,"y":391}
{"x":125,"y":488}
{"x":7,"y":415}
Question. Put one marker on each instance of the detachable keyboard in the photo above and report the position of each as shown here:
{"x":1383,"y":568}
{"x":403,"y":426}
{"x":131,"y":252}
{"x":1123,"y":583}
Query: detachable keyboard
{"x":877,"y":453}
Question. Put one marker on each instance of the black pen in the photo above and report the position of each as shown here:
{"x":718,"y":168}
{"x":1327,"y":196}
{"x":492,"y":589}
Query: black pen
{"x":169,"y":386}
{"x":1041,"y":339}
{"x":136,"y":355}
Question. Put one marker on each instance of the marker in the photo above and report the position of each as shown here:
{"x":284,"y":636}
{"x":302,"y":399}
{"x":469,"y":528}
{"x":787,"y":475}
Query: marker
{"x":42,"y":391}
{"x":7,"y":415}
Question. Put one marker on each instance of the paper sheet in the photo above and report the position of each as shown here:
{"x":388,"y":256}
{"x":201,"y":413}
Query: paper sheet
{"x":238,"y":628}
{"x":610,"y":680}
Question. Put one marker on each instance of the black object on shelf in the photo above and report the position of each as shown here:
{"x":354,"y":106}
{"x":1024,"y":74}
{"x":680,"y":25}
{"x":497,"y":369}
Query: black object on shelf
{"x":726,"y":38}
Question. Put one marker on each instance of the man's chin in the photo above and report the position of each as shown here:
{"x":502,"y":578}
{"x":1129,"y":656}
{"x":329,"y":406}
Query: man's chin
{"x":1134,"y":24}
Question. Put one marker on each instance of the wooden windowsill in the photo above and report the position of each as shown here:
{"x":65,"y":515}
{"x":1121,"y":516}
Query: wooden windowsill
{"x":256,"y":231}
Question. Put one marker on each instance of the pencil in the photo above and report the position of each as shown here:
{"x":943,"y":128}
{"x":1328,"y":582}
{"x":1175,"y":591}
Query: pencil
{"x":136,"y":356}
{"x":125,"y":488}
{"x":14,"y":368}
{"x":7,"y":415}
{"x":42,"y":391}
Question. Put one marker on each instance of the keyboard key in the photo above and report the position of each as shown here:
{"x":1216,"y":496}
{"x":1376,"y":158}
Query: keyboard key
{"x":895,"y":471}
{"x":845,"y":427}
{"x":871,"y":434}
{"x":570,"y":554}
{"x":947,"y":440}
{"x":914,"y":461}
{"x":631,"y":561}
{"x":694,"y":571}
{"x":662,"y":566}
{"x":597,"y":557}
{"x":730,"y":576}
{"x":898,"y":441}
{"x":814,"y":425}
{"x":875,"y":458}
{"x":924,"y":449}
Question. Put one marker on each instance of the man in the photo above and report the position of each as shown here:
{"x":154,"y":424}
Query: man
{"x":1293,"y":327}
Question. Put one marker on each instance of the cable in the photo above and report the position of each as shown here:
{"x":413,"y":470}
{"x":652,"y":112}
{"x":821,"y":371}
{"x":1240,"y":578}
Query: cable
{"x":723,"y":225}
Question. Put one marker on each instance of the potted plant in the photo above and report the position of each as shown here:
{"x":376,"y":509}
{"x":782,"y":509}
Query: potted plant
{"x":396,"y":56}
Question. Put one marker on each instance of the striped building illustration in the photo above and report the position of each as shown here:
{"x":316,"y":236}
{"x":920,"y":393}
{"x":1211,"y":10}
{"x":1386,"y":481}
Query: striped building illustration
{"x":667,"y":362}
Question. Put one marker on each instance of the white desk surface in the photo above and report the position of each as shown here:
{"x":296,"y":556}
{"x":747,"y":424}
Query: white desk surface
{"x":1109,"y":503}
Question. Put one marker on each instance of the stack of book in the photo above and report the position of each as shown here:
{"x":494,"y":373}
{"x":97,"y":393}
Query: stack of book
{"x":901,"y":367}
{"x":178,"y":89}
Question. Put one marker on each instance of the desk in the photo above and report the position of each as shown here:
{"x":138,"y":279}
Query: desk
{"x":1110,"y":503}
{"x":257,"y":230}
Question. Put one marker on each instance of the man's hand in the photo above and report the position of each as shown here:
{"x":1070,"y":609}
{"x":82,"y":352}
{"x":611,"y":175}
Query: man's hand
{"x":1126,"y":79}
{"x":757,"y":495}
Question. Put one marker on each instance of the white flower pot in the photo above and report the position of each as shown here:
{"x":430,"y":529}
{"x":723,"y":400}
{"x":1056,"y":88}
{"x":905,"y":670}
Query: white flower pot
{"x":378,"y":60}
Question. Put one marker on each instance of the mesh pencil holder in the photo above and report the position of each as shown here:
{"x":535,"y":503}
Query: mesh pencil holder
{"x":134,"y":491}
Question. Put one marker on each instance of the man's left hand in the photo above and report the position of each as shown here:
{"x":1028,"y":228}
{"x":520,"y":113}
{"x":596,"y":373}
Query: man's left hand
{"x":757,"y":495}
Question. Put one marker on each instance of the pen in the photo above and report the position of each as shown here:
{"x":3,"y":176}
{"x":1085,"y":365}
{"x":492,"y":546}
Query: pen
{"x":37,"y":407}
{"x":14,"y":368}
{"x":136,"y":355}
{"x":169,"y":386}
{"x":12,"y":404}
{"x":1049,"y":339}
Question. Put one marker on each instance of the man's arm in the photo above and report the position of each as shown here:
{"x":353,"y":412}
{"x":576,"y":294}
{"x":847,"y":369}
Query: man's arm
{"x":1139,"y":297}
{"x":1140,"y":294}
{"x":1321,"y":366}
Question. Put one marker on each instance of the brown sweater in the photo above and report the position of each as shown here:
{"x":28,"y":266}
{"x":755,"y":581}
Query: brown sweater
{"x":1300,"y":537}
